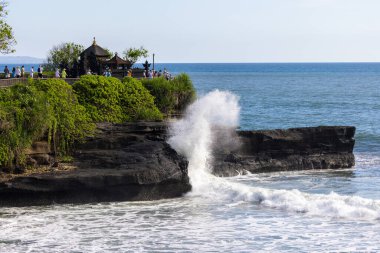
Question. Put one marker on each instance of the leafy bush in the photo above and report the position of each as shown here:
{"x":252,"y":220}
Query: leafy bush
{"x":66,"y":114}
{"x":137,"y":102}
{"x":22,"y":120}
{"x":109,"y":99}
{"x":28,"y":112}
{"x":68,"y":120}
{"x":100,"y":96}
{"x":171,"y":95}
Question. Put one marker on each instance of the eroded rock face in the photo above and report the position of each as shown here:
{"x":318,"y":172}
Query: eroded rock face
{"x":126,"y":162}
{"x":122,"y":162}
{"x":292,"y":149}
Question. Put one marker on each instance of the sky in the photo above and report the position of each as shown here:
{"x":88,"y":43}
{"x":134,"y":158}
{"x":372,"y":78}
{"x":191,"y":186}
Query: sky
{"x":205,"y":30}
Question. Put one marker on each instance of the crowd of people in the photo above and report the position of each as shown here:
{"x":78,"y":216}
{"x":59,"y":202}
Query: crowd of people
{"x":19,"y":72}
{"x":150,"y":74}
{"x":154,"y":73}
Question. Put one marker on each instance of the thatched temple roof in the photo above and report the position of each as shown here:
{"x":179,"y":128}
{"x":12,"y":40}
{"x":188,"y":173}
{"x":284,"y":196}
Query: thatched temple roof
{"x":96,"y":50}
{"x":116,"y":60}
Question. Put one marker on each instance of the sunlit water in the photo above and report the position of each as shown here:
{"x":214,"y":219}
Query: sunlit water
{"x":311,"y":211}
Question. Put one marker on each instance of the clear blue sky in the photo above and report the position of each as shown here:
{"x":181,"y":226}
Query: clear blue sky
{"x":206,"y":30}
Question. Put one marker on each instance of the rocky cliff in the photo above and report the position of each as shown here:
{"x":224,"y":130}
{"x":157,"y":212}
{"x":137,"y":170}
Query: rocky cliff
{"x":329,"y":147}
{"x":122,"y":162}
{"x":133,"y":162}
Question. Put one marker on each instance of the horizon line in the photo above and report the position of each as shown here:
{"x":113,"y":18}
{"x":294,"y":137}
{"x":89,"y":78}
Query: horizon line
{"x":279,"y":62}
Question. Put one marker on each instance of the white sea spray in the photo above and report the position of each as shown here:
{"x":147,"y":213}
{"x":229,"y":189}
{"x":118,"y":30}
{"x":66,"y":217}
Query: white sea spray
{"x":194,"y":137}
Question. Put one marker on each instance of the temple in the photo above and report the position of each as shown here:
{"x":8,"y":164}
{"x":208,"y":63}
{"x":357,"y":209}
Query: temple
{"x":93,"y":59}
{"x":118,"y":65}
{"x":96,"y":60}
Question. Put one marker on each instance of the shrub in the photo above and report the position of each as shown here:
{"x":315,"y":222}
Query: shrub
{"x":28,"y":112}
{"x":68,"y":120}
{"x":22,"y":120}
{"x":101,"y":97}
{"x":137,"y":102}
{"x":110,"y":100}
{"x":171,"y":95}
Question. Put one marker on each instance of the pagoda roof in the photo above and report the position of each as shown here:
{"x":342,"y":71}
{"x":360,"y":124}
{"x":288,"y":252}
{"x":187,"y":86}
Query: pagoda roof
{"x":96,"y":50}
{"x":116,"y":60}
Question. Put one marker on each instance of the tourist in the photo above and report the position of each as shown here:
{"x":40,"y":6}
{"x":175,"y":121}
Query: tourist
{"x":39,"y":70}
{"x":6,"y":72}
{"x":22,"y":71}
{"x":64,"y":74}
{"x":57,"y":75}
{"x":150,"y":74}
{"x":18,"y":72}
{"x":31,"y":72}
{"x":130,"y":73}
{"x":89,"y":72}
{"x":159,"y":73}
{"x":13,"y":72}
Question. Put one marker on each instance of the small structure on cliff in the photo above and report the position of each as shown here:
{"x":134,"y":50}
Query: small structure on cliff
{"x":118,"y":65}
{"x":93,"y":59}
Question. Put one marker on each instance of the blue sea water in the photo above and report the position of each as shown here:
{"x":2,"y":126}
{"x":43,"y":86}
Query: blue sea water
{"x":311,"y":211}
{"x":10,"y":66}
{"x":298,"y":94}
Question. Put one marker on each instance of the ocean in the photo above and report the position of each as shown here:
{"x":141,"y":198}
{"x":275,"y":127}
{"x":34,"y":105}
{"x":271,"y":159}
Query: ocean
{"x":307,"y":211}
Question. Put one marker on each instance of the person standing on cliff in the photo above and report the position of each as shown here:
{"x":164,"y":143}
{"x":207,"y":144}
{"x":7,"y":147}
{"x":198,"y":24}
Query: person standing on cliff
{"x":64,"y":74}
{"x":22,"y":71}
{"x":57,"y":75}
{"x":32,"y":72}
{"x":6,"y":72}
{"x":39,"y":70}
{"x":18,"y":72}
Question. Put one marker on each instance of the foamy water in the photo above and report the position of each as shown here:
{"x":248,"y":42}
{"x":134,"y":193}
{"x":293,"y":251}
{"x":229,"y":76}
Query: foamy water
{"x":193,"y":137}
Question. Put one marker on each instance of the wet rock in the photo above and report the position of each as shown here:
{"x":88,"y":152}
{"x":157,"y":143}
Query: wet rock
{"x":292,"y":149}
{"x":122,"y":162}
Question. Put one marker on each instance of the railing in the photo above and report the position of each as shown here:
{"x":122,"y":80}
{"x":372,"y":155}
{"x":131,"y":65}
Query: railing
{"x":4,"y":83}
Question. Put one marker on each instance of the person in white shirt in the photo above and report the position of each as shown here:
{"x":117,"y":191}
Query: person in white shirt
{"x":57,"y":73}
{"x":18,"y":72}
{"x":32,"y":72}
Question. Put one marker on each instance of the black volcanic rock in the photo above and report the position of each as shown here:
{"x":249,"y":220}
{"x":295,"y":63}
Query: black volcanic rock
{"x":292,"y":149}
{"x":122,"y":162}
{"x":127,"y":162}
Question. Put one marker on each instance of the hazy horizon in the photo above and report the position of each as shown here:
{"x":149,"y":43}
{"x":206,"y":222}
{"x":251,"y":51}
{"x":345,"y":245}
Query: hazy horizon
{"x":11,"y":57}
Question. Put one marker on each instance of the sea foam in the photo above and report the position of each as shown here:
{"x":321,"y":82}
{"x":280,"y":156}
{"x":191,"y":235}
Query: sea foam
{"x":194,"y":137}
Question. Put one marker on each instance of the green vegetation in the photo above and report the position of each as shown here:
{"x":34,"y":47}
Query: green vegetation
{"x":134,"y":54}
{"x":29,"y":112}
{"x":171,"y":95}
{"x":63,"y":114}
{"x":109,"y":99}
{"x":7,"y":40}
{"x":68,"y":120}
{"x":64,"y":55}
{"x":138,"y":102}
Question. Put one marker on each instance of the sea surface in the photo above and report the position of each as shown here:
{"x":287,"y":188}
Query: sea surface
{"x":309,"y":211}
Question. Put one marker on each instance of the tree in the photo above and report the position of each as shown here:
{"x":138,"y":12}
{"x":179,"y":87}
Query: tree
{"x":7,"y":40}
{"x":110,"y":53}
{"x":65,"y":55}
{"x":134,"y":54}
